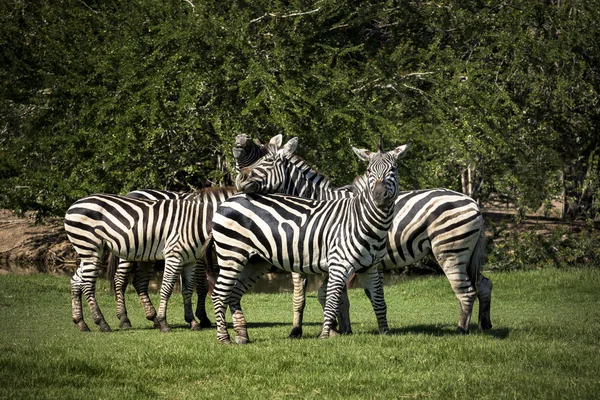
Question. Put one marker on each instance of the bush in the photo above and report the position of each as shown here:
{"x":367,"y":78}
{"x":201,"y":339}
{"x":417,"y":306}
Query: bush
{"x":538,"y":247}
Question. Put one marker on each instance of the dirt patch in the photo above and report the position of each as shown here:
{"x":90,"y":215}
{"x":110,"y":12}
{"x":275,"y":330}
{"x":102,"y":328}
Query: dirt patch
{"x":44,"y":245}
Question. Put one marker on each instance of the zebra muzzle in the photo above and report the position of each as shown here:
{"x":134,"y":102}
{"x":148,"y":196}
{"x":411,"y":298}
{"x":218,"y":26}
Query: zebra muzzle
{"x":380,"y":195}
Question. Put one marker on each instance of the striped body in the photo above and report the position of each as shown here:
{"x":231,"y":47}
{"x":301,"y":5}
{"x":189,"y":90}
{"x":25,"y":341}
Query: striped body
{"x":138,"y":230}
{"x":120,"y":269}
{"x":246,"y":152}
{"x":441,"y":222}
{"x":307,"y":236}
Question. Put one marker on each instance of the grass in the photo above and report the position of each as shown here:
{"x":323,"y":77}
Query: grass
{"x":545,"y":344}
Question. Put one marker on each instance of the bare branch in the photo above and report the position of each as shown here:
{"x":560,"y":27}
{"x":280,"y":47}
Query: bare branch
{"x":419,"y":74}
{"x":298,"y":13}
{"x":294,"y":14}
{"x":190,"y":3}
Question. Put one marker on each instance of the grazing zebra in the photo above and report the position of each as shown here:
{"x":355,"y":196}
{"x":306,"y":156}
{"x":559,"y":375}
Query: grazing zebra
{"x":138,"y":230}
{"x":439,"y":221}
{"x":309,"y":236}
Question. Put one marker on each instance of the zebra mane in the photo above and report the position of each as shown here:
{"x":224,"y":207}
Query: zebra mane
{"x":314,"y":184}
{"x":215,"y":191}
{"x":308,"y":172}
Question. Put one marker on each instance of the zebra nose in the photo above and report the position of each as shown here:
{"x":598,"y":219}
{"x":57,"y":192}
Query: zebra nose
{"x":379,"y":192}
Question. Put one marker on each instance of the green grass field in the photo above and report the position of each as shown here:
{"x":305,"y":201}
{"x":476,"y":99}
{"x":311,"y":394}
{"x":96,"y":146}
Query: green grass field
{"x":545,"y":344}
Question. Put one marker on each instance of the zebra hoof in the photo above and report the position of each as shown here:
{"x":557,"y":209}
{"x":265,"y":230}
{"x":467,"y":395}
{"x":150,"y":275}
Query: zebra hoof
{"x":165,"y":328}
{"x":195,"y":325}
{"x":156,"y":323}
{"x":462,"y":331}
{"x":327,"y":335}
{"x":205,"y":323}
{"x":83,"y":327}
{"x":485,"y":324}
{"x":242,"y":340}
{"x":224,"y":339}
{"x":296,"y":333}
{"x":125,"y":324}
{"x":104,"y":327}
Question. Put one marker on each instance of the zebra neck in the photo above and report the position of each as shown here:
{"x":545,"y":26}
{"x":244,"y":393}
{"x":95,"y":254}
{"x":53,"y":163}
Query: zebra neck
{"x":364,"y":200}
{"x":304,"y":181}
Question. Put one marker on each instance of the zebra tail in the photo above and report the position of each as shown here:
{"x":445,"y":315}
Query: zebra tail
{"x":207,"y":256}
{"x":478,"y":259}
{"x":111,"y":271}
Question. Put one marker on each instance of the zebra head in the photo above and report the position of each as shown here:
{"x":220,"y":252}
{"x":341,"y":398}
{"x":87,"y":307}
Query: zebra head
{"x":246,"y":151}
{"x":268,"y":174}
{"x":382,"y":173}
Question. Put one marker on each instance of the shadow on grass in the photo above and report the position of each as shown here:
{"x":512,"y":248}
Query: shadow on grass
{"x":276,"y":324}
{"x":446,"y":330}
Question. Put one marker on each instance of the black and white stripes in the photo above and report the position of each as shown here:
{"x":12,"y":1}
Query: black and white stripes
{"x":441,"y":222}
{"x":304,"y":235}
{"x":138,"y":230}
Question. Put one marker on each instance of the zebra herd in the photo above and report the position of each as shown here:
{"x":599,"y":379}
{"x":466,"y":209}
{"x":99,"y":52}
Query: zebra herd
{"x":287,"y":215}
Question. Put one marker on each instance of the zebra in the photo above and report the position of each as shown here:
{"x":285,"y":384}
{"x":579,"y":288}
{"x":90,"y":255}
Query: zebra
{"x":248,"y":156}
{"x":119,"y":270}
{"x":138,"y":230}
{"x":442,"y":222}
{"x":305,"y":235}
{"x":245,"y":153}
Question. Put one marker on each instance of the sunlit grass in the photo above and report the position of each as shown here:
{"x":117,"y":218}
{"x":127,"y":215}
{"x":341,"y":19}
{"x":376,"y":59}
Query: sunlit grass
{"x":545,"y":344}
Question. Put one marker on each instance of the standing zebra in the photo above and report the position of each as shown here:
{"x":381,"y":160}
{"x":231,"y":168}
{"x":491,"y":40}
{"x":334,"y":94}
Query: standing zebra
{"x":321,"y":190}
{"x":245,"y":153}
{"x":309,"y":236}
{"x":138,"y":230}
{"x":442,"y":222}
{"x":120,"y":269}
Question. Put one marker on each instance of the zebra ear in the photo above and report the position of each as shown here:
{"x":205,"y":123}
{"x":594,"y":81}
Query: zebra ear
{"x":363,"y":154}
{"x":276,"y":140}
{"x":289,"y":147}
{"x":400,"y":151}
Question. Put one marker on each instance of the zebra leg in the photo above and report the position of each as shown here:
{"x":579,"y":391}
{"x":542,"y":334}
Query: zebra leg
{"x":343,"y":319}
{"x":229,"y":271}
{"x":187,"y":290}
{"x":463,"y":288}
{"x":245,"y":281}
{"x":337,"y":281}
{"x":202,"y":292}
{"x":76,"y":306}
{"x":121,"y":277}
{"x":371,"y":282}
{"x":484,"y":295}
{"x":87,"y":285}
{"x":173,"y":266}
{"x":299,"y":302}
{"x":141,"y":281}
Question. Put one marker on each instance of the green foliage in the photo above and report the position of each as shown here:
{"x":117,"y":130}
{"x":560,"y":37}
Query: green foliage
{"x":535,"y":247}
{"x":106,"y":96}
{"x":544,"y":342}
